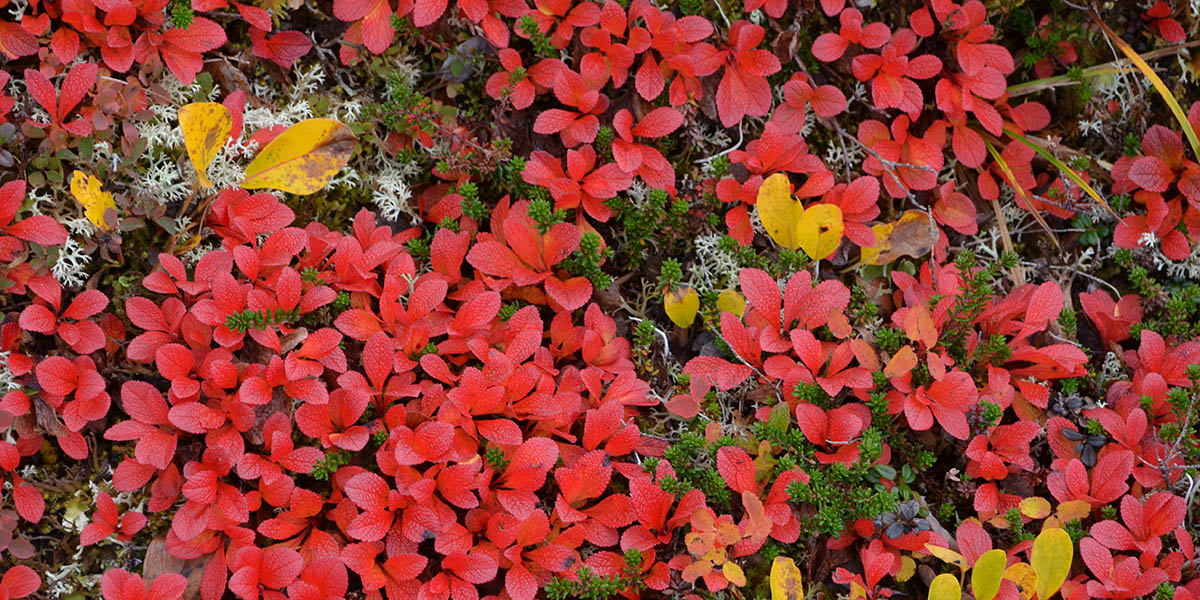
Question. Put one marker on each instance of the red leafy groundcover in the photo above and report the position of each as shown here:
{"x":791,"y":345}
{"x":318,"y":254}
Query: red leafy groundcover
{"x":708,"y":300}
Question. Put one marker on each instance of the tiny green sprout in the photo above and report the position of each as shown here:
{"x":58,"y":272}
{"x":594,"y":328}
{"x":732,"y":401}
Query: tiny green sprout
{"x":671,"y":274}
{"x":1094,"y":427}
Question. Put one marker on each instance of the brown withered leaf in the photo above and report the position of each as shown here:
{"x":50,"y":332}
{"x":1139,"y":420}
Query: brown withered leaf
{"x":911,"y":235}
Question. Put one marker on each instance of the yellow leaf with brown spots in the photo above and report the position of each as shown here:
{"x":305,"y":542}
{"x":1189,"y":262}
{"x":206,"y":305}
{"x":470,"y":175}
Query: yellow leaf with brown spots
{"x":302,"y":159}
{"x":95,"y":201}
{"x":785,"y":580}
{"x":206,"y":127}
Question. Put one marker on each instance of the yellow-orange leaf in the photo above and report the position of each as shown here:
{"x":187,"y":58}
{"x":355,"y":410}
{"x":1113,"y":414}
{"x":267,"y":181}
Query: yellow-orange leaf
{"x":785,"y":580}
{"x":734,"y":574}
{"x":1051,"y":560}
{"x":1024,"y":577}
{"x":908,"y":567}
{"x":206,"y":127}
{"x":731,"y":302}
{"x":902,"y":362}
{"x":86,"y":189}
{"x":1073,"y":509}
{"x":945,"y":587}
{"x":302,"y":159}
{"x":681,"y":305}
{"x":820,"y":230}
{"x":778,"y":211}
{"x":987,"y":573}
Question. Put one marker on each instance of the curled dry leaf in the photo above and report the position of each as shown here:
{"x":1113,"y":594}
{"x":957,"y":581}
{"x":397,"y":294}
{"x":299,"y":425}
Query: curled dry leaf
{"x":911,"y":235}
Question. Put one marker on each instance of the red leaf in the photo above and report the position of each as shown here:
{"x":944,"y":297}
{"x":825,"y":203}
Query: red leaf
{"x":86,"y":304}
{"x":201,"y":36}
{"x":75,"y":86}
{"x":20,"y":581}
{"x":39,"y":229}
{"x":57,"y":375}
{"x":658,"y":123}
{"x":42,"y":90}
{"x":29,"y":502}
{"x":737,"y":469}
{"x":279,"y":567}
{"x":425,"y":12}
{"x":36,"y":317}
{"x":1151,"y":174}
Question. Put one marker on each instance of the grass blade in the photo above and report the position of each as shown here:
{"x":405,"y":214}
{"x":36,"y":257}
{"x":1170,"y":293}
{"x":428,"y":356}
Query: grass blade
{"x":1012,"y":181}
{"x":1066,"y":170}
{"x":1155,"y":80}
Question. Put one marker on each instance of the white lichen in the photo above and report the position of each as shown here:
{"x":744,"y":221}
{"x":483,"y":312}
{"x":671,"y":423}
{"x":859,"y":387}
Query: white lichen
{"x":69,"y":268}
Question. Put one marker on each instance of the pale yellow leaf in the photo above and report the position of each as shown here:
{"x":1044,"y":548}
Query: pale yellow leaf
{"x":1051,"y":560}
{"x":908,"y":567}
{"x":729,"y":301}
{"x":778,"y":211}
{"x":681,"y":305}
{"x":1036,"y":507}
{"x":206,"y":127}
{"x":1024,"y":577}
{"x":820,"y":230}
{"x":987,"y":573}
{"x":734,"y":574}
{"x":86,"y":189}
{"x":785,"y":580}
{"x":945,"y":587}
{"x":302,"y":159}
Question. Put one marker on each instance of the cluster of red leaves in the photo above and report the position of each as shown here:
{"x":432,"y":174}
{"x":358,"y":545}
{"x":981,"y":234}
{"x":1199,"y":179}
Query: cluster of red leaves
{"x":481,"y":451}
{"x":1168,"y":185}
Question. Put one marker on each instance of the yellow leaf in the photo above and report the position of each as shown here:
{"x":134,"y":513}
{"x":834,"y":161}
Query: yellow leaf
{"x":945,"y":587}
{"x":86,"y":189}
{"x":778,"y":211}
{"x":1036,"y":508}
{"x":302,"y":159}
{"x":785,"y":580}
{"x":734,"y":574}
{"x":908,"y":567}
{"x":1073,"y":509}
{"x":206,"y":127}
{"x":857,"y":591}
{"x":681,"y":305}
{"x":1024,"y":577}
{"x":731,"y":302}
{"x":1051,"y":560}
{"x":947,"y":555}
{"x":820,"y":230}
{"x":911,"y":235}
{"x":987,"y":573}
